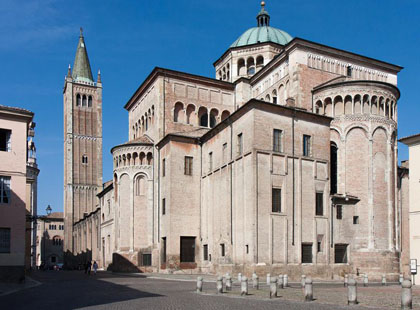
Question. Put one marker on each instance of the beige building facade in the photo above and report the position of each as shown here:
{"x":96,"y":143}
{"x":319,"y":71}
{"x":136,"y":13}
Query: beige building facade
{"x":49,"y":240}
{"x":15,"y":158}
{"x":286,"y":161}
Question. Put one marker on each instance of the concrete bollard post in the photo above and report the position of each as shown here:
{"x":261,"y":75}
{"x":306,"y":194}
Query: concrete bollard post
{"x":255,"y":281}
{"x":383,"y":279}
{"x":352,"y":292}
{"x":401,"y":278}
{"x":199,"y":284}
{"x":273,"y":287}
{"x":268,"y":278}
{"x":365,"y":280}
{"x":303,"y":280}
{"x":280,"y":282}
{"x":406,"y":295}
{"x":244,"y":286}
{"x":285,"y":280}
{"x":219,"y":285}
{"x":346,"y":280}
{"x":309,"y":295}
{"x":228,"y":283}
{"x":239,"y":277}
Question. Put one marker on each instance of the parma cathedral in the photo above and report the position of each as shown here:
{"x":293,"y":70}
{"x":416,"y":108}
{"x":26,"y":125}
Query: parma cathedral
{"x":284,"y":162}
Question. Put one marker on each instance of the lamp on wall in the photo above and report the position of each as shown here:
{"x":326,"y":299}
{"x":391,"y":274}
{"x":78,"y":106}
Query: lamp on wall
{"x":48,"y":209}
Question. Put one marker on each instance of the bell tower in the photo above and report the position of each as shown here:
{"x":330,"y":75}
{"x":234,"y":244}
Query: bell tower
{"x":82,"y":98}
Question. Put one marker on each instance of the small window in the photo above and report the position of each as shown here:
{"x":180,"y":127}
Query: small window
{"x":240,"y":144}
{"x":222,"y":250}
{"x":210,"y":161}
{"x":306,"y":145}
{"x":84,"y":159}
{"x":4,"y":240}
{"x":340,"y":253}
{"x":4,"y":189}
{"x":339,"y":214}
{"x":205,"y":252}
{"x":78,"y":100}
{"x":146,"y":259}
{"x":319,"y":210}
{"x":5,"y":143}
{"x":90,"y":102}
{"x":355,"y":220}
{"x":277,"y":140}
{"x":163,"y":167}
{"x":163,"y":206}
{"x":247,"y":248}
{"x":84,"y":101}
{"x":349,"y":71}
{"x":306,"y":253}
{"x":188,"y":165}
{"x":224,"y":152}
{"x":164,"y":250}
{"x":274,"y":100}
{"x":276,"y":200}
{"x":319,"y":247}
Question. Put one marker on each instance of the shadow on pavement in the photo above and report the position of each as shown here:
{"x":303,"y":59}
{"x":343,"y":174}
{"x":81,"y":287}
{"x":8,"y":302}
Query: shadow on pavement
{"x":73,"y":290}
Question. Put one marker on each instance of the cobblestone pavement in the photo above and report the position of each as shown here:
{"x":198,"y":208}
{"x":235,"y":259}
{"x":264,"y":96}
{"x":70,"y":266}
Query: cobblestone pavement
{"x":75,"y":290}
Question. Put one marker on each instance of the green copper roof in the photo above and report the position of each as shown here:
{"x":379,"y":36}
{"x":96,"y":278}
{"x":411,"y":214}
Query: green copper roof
{"x":81,"y":67}
{"x":262,"y":34}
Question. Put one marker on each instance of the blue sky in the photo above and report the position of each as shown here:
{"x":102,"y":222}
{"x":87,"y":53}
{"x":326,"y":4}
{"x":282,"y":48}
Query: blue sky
{"x":127,"y":39}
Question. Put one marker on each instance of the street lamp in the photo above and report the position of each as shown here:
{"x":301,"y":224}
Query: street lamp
{"x":48,"y":209}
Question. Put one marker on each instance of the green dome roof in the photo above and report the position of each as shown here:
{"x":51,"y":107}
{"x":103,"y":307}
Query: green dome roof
{"x":262,"y":34}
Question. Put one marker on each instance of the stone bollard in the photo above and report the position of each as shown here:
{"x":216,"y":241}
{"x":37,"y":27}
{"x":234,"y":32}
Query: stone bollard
{"x":352,"y":292}
{"x":273,"y":287}
{"x":303,"y":280}
{"x":309,"y":295}
{"x":268,"y":278}
{"x":228,"y":283}
{"x":346,"y":280}
{"x":365,"y":280}
{"x":255,"y":281}
{"x":244,"y":286}
{"x":406,"y":295}
{"x":280,"y":282}
{"x":239,"y":277}
{"x":383,"y":279}
{"x":199,"y":284}
{"x":219,"y":285}
{"x":401,"y":278}
{"x":285,"y":280}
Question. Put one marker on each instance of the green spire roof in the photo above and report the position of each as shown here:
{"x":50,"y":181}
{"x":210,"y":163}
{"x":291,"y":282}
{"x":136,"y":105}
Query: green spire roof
{"x":81,"y":67}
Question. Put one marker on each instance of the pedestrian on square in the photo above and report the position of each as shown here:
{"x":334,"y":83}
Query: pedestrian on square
{"x":95,"y":267}
{"x":89,"y":267}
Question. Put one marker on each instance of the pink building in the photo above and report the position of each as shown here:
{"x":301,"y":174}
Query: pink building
{"x":14,"y":126}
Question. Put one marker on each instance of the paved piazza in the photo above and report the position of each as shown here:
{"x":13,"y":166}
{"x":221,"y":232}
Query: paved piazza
{"x":75,"y":290}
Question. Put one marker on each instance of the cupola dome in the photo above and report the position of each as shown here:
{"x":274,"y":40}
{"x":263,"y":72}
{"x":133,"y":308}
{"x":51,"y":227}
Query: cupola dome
{"x":263,"y":32}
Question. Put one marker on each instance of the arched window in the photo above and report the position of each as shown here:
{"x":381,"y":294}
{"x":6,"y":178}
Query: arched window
{"x":56,"y":240}
{"x":84,"y":101}
{"x":267,"y":98}
{"x":147,"y":122}
{"x":177,"y":112}
{"x":260,"y":61}
{"x":213,"y":117}
{"x":78,"y":100}
{"x":149,"y":159}
{"x":190,"y":111}
{"x":142,"y":156}
{"x":84,"y":159}
{"x":274,"y":94}
{"x":140,"y":185}
{"x":334,"y":168}
{"x":115,"y":187}
{"x":203,"y":117}
{"x":241,"y":67}
{"x":90,"y":102}
{"x":250,"y":64}
{"x":225,"y":115}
